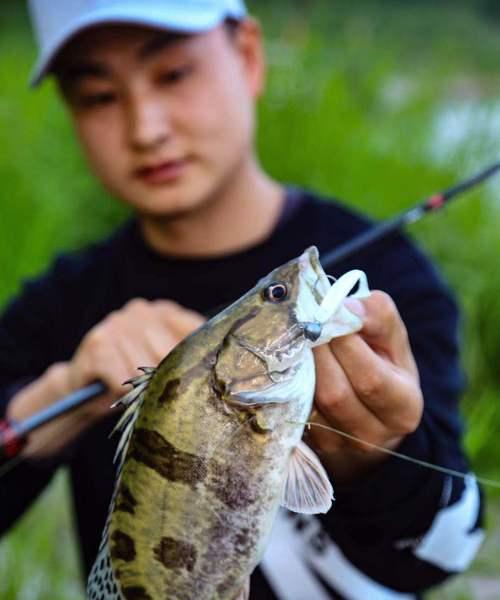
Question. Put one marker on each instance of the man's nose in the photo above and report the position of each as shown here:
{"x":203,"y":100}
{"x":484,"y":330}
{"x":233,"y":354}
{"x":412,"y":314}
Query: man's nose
{"x":148,"y":123}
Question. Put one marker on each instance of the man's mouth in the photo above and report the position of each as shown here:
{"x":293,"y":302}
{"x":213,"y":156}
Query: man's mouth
{"x":162,"y":172}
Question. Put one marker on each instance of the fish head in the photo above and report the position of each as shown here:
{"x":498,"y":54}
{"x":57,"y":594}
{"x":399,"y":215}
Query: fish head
{"x":274,"y":327}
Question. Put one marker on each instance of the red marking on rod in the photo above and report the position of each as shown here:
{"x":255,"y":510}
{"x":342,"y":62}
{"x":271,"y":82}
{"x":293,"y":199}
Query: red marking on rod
{"x":10,"y":440}
{"x":436,"y":201}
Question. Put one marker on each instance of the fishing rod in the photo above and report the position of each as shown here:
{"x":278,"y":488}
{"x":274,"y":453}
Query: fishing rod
{"x":409,"y":216}
{"x":14,"y":435}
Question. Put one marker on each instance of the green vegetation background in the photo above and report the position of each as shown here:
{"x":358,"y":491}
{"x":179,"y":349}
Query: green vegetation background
{"x":378,"y":103}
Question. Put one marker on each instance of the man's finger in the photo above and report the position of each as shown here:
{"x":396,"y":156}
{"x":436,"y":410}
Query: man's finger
{"x":382,"y":387}
{"x":160,"y":341}
{"x":178,"y":318}
{"x":337,"y":401}
{"x":383,"y":327}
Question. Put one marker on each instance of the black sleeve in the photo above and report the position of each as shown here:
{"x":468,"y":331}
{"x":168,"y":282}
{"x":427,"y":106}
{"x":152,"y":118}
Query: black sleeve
{"x":408,"y":527}
{"x":28,"y":345}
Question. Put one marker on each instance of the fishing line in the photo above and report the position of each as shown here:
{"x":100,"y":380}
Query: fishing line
{"x":422,"y":463}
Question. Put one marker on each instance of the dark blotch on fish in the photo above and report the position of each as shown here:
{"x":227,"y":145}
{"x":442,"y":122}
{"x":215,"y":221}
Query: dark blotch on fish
{"x":135,"y":593}
{"x":153,"y":450}
{"x":125,"y":501}
{"x":226,"y":585}
{"x":231,"y":487}
{"x":169,"y":392}
{"x":122,"y":547}
{"x":175,"y":554}
{"x":244,"y":541}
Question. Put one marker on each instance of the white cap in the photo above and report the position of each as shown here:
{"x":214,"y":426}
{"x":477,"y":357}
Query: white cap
{"x":56,"y":21}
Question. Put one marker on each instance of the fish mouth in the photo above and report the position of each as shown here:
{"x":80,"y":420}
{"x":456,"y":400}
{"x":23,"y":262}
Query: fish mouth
{"x":314,"y":286}
{"x":319,"y":308}
{"x":313,"y":273}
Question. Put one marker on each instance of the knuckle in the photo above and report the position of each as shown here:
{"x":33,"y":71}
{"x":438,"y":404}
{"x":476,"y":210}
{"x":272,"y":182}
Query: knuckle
{"x":370,"y":385}
{"x":406,"y":427}
{"x":333,"y":399}
{"x":59,"y":375}
{"x":166,"y":303}
{"x":94,"y":339}
{"x":405,"y":422}
{"x":410,"y":422}
{"x":167,"y":307}
{"x":112,"y":321}
{"x":137,"y":305}
{"x":56,"y":369}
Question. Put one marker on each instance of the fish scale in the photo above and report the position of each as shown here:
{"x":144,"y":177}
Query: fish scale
{"x":208,"y":445}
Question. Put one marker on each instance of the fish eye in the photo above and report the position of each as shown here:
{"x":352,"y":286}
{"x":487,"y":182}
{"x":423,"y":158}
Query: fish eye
{"x":276,"y":292}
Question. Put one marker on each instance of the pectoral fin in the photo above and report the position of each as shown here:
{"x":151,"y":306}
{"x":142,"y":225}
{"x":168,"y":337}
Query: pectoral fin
{"x":307,"y":487}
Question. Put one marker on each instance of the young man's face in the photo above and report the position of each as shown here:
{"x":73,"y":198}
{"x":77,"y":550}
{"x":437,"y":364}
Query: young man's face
{"x":165,"y":121}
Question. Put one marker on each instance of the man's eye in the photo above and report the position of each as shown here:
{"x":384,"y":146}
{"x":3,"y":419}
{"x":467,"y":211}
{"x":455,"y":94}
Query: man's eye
{"x":95,"y":100}
{"x":175,"y":75}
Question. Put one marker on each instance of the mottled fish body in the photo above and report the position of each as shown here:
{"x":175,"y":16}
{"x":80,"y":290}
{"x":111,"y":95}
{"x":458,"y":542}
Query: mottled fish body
{"x":212,"y":446}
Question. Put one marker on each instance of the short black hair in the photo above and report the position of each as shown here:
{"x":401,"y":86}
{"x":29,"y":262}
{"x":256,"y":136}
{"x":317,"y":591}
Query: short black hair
{"x":232,"y":25}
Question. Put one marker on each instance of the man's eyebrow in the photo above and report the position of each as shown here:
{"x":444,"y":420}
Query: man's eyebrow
{"x":77,"y":71}
{"x":159,"y":42}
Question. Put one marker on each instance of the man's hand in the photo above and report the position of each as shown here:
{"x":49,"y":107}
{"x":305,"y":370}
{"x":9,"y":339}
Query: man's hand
{"x":138,"y":335}
{"x":367,"y":386}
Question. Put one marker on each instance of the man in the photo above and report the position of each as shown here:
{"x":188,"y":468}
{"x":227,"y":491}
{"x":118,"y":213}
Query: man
{"x":162,"y":95}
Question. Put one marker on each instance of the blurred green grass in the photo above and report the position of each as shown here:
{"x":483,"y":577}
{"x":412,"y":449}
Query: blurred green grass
{"x":378,"y":103}
{"x":39,"y":561}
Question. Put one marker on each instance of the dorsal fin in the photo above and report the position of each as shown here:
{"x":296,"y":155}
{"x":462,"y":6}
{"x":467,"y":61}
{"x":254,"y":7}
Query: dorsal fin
{"x":133,"y":402}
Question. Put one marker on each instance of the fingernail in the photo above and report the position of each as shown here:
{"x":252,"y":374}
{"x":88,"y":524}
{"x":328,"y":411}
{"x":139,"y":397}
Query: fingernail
{"x":355,"y":306}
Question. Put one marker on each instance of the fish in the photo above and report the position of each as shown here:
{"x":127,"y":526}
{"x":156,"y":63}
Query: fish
{"x":212,"y":446}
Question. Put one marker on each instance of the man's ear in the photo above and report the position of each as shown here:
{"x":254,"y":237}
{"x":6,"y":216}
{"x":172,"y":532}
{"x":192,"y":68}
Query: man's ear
{"x":248,"y":40}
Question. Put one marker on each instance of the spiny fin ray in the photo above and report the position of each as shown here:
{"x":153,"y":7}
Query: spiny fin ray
{"x":132,"y":401}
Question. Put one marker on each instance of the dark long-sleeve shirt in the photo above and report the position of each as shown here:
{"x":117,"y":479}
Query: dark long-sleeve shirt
{"x":395,"y":533}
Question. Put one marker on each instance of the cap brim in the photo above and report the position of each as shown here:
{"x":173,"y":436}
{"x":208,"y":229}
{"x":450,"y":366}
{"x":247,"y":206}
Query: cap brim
{"x":158,"y":18}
